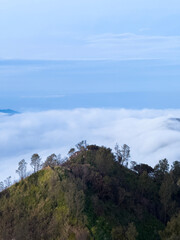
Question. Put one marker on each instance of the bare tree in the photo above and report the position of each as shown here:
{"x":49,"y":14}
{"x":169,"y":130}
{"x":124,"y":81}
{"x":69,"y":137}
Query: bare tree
{"x":122,"y":154}
{"x":118,"y":153}
{"x":125,"y":152}
{"x":1,"y":186}
{"x":7,"y":182}
{"x":22,"y":169}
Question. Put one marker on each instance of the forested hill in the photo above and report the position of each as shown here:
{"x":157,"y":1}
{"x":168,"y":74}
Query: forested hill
{"x":93,"y":195}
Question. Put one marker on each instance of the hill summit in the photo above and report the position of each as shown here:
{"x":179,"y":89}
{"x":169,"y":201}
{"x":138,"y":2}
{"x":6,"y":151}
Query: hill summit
{"x":93,"y":196}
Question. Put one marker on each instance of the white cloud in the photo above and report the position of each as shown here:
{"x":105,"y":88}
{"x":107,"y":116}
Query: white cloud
{"x":151,"y":134}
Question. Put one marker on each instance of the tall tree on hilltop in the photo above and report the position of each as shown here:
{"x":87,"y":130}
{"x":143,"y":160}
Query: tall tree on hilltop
{"x":161,"y":169}
{"x":71,"y":152}
{"x":140,"y":168}
{"x":118,"y":153}
{"x":7,"y":182}
{"x":175,"y":170}
{"x":35,"y":162}
{"x":51,"y":161}
{"x":125,"y":151}
{"x":22,"y":169}
{"x":122,"y":154}
{"x":82,"y":145}
{"x":1,"y":186}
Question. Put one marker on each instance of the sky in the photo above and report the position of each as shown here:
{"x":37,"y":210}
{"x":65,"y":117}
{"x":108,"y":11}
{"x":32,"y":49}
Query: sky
{"x":103,"y":29}
{"x":105,"y":71}
{"x":134,"y":84}
{"x":55,"y":48}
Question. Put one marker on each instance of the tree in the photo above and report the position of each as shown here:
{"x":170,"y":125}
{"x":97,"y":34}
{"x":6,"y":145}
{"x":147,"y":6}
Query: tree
{"x":131,"y":233}
{"x":61,"y":160}
{"x":71,"y":152}
{"x":104,"y":160}
{"x":178,"y":183}
{"x":1,"y":186}
{"x":162,"y":166}
{"x":51,"y":161}
{"x":140,"y":168}
{"x":175,"y":170}
{"x":35,"y":162}
{"x":125,"y":152}
{"x":125,"y":233}
{"x":133,"y":165}
{"x":81,"y":146}
{"x":118,"y":153}
{"x":122,"y":154}
{"x":172,"y":230}
{"x":144,"y":183}
{"x":165,"y":193}
{"x":22,"y":169}
{"x":93,"y":147}
{"x":161,"y":169}
{"x":7,"y":182}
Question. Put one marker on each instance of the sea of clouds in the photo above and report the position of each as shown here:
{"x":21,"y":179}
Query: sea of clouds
{"x":151,"y":134}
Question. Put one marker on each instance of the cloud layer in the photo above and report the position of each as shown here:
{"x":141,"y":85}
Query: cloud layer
{"x":151,"y":134}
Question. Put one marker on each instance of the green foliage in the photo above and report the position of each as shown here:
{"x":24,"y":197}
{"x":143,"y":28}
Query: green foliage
{"x":125,"y":233}
{"x":141,"y":168}
{"x":101,"y":229}
{"x":51,"y":161}
{"x":148,"y":228}
{"x":92,"y":196}
{"x":165,"y":193}
{"x":35,"y":162}
{"x":161,"y":169}
{"x":172,"y":231}
{"x":32,"y":207}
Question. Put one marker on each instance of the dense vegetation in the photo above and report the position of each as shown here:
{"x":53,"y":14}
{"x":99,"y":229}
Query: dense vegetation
{"x":93,"y":195}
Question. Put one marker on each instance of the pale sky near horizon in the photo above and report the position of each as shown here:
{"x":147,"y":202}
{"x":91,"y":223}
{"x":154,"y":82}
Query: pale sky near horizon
{"x":96,"y":29}
{"x":140,"y":43}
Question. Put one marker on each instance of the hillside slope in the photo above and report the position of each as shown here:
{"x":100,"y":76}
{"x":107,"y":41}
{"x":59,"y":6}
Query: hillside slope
{"x":90,"y":196}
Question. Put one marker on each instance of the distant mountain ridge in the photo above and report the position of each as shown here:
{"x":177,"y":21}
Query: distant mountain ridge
{"x":8,"y":111}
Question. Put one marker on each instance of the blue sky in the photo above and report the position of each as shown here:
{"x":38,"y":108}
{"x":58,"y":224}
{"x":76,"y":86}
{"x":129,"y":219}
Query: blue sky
{"x":131,"y":47}
{"x":44,"y":85}
{"x":103,"y":29}
{"x":99,"y":55}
